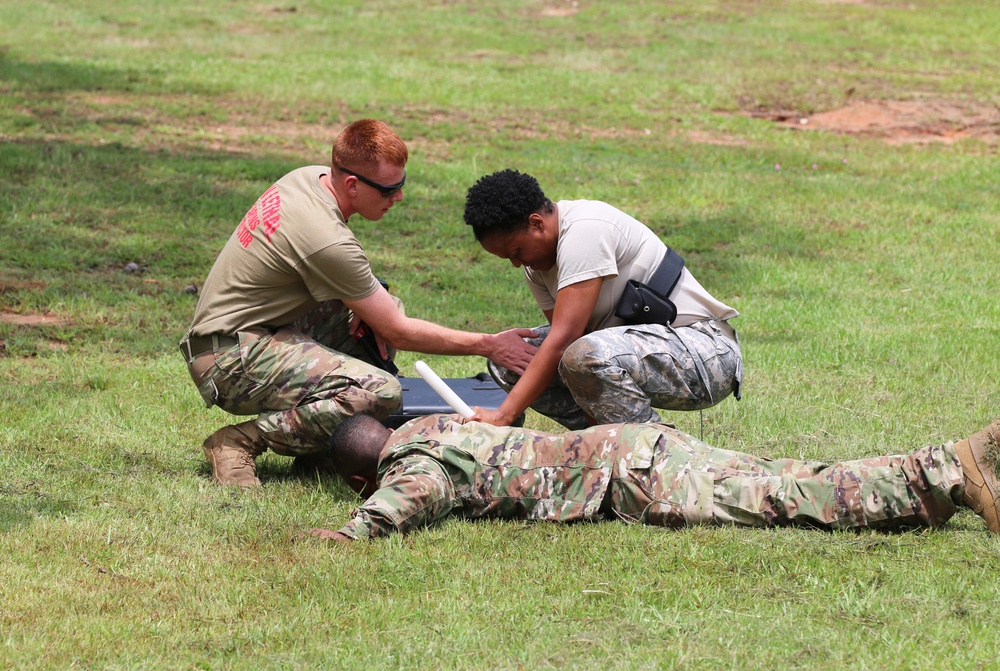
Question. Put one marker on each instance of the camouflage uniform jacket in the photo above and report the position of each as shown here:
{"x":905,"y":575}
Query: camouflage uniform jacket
{"x":433,"y":467}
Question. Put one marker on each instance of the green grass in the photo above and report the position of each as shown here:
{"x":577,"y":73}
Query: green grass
{"x":140,"y":133}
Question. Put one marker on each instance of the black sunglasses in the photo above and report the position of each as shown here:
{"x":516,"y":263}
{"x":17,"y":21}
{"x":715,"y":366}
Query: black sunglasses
{"x":386,"y":191}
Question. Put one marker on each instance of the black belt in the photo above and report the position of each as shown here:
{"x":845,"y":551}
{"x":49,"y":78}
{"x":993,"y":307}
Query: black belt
{"x":196,"y":345}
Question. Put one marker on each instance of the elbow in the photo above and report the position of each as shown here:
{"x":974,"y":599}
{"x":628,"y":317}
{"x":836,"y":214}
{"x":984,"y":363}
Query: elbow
{"x":400,"y":340}
{"x":393,"y":336}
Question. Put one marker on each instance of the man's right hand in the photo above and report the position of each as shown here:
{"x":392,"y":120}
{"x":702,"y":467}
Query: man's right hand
{"x":510,"y":350}
{"x":327,"y":535}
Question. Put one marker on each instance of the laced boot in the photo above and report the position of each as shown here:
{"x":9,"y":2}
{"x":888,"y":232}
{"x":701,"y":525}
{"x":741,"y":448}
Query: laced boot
{"x":980,"y":457}
{"x":231,"y":451}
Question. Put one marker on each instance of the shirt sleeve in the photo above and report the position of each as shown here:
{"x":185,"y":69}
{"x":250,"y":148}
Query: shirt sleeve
{"x":544,"y":297}
{"x":586,"y":251}
{"x":337,"y":272}
{"x":415,"y":491}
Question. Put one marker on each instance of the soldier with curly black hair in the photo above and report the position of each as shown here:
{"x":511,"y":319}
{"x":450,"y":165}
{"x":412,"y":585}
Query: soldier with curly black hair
{"x":620,"y":340}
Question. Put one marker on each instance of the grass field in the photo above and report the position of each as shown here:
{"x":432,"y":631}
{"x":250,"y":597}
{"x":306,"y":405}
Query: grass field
{"x":829,"y":168}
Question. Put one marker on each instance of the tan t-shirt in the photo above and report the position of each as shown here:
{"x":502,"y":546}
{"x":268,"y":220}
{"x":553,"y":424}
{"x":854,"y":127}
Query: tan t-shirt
{"x":292,"y":250}
{"x":598,"y":240}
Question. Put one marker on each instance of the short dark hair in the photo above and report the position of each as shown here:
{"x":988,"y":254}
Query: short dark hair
{"x":355,"y":446}
{"x":499,"y":204}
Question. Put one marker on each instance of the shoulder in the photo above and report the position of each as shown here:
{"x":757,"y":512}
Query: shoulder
{"x":578,"y":210}
{"x":427,"y":430}
{"x":578,"y":218}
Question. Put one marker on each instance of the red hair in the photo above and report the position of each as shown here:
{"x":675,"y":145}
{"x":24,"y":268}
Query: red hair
{"x":365,"y":143}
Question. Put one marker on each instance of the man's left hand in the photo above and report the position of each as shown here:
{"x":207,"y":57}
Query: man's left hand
{"x":357,"y":323}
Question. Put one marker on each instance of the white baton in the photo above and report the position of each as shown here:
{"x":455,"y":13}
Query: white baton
{"x":444,"y":391}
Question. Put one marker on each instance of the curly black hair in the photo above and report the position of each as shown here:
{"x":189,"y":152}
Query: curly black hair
{"x":500,"y":203}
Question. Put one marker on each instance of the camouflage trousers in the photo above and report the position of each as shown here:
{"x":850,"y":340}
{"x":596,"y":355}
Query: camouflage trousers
{"x":620,"y":374}
{"x":687,"y":482}
{"x":301,"y":380}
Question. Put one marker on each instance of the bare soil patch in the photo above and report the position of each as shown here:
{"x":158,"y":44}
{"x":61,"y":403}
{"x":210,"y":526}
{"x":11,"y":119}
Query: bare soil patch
{"x":18,"y":319}
{"x":901,"y":122}
{"x":245,"y":129}
{"x":561,"y":9}
{"x":237,"y":126}
{"x":716,"y":138}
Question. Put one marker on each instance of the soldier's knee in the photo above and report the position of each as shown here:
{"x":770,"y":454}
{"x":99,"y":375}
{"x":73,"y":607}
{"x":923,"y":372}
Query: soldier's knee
{"x":578,"y":358}
{"x":583,"y":362}
{"x":389,"y":394}
{"x":379,"y":398}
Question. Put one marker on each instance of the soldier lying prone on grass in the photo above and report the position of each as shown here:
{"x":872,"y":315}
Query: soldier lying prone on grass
{"x":435,"y":467}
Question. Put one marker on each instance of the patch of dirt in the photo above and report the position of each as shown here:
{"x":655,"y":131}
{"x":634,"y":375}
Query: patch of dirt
{"x":709,"y":137}
{"x":11,"y":285}
{"x":18,"y":319}
{"x":569,"y":10}
{"x":245,"y":129}
{"x":239,"y":127}
{"x":901,"y":122}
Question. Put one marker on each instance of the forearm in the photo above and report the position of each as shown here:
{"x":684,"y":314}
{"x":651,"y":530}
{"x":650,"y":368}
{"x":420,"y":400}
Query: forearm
{"x":382,"y":314}
{"x":533,"y":382}
{"x":415,"y":492}
{"x":569,"y":321}
{"x":363,"y":524}
{"x":417,"y":335}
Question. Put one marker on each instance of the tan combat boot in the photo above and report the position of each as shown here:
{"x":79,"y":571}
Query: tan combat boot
{"x":231,"y":451}
{"x":980,"y":457}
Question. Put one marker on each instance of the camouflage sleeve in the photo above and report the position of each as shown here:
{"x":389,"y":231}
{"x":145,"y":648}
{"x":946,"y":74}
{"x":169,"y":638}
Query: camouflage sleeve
{"x":414,"y":492}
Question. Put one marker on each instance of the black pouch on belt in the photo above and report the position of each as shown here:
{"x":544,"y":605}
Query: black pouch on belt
{"x":650,"y":303}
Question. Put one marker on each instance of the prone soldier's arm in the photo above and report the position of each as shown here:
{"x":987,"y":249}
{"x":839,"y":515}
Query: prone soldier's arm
{"x":414,"y":492}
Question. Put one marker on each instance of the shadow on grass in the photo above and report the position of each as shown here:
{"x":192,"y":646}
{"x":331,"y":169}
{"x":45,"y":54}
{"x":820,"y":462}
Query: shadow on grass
{"x":273,"y":469}
{"x":80,"y":207}
{"x":54,"y":77}
{"x":77,"y":215}
{"x":21,"y":511}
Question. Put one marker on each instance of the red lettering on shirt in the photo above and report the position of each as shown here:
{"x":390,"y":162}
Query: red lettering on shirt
{"x":269,"y":215}
{"x":270,"y":206}
{"x":244,"y":232}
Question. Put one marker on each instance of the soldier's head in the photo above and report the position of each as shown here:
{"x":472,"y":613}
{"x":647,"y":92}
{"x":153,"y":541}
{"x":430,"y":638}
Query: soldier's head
{"x":355,"y":446}
{"x":368,"y":169}
{"x":512,"y":218}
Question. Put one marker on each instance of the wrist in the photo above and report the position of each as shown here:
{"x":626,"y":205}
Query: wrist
{"x":485,"y":346}
{"x":507,"y":414}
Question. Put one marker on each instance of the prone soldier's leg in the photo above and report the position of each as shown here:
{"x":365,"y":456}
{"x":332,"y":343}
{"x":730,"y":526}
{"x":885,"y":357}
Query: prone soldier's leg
{"x":697,"y":484}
